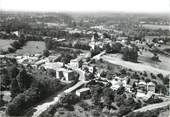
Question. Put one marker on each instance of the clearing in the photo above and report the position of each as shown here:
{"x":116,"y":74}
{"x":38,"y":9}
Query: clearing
{"x":141,"y":66}
{"x":32,"y":47}
{"x":155,"y":27}
{"x":4,"y":43}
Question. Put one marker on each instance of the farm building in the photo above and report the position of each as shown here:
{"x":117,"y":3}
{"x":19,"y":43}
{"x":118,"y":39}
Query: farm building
{"x":151,"y":87}
{"x":65,"y":74}
{"x":76,"y":63}
{"x":83,"y":92}
{"x":53,"y":66}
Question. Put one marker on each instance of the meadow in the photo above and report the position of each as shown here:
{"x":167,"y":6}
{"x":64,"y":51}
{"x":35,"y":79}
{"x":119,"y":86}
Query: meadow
{"x":155,"y":27}
{"x":32,"y":47}
{"x":4,"y":44}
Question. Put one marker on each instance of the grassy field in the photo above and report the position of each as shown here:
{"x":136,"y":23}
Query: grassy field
{"x":4,"y":44}
{"x":164,"y":114}
{"x":145,"y":58}
{"x":155,"y":27}
{"x":32,"y":47}
{"x":145,"y":63}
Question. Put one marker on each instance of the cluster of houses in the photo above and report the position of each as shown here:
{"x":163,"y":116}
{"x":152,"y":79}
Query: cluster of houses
{"x":66,"y":73}
{"x":144,"y":90}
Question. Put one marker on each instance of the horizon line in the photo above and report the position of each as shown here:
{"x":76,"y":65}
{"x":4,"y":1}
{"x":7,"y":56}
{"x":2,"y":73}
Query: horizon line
{"x":84,"y":12}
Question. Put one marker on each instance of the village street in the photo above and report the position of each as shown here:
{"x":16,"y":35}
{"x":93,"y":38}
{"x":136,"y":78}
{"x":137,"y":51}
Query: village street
{"x":153,"y":106}
{"x":42,"y":107}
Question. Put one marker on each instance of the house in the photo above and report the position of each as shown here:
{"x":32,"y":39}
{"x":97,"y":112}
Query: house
{"x":17,"y":33}
{"x":143,"y":96}
{"x":117,"y":82}
{"x":151,"y":87}
{"x":40,"y":62}
{"x":83,"y":92}
{"x":76,"y":63}
{"x":122,"y":39}
{"x":53,"y":66}
{"x":91,"y":68}
{"x":142,"y":87}
{"x":53,"y":58}
{"x":65,"y":74}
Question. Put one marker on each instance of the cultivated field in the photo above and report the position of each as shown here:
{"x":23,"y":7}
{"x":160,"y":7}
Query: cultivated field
{"x":4,"y":44}
{"x":155,"y":27}
{"x":144,"y":63}
{"x":145,"y":58}
{"x":32,"y":47}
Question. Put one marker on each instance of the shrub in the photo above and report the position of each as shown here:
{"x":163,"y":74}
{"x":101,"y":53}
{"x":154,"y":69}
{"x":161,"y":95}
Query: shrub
{"x":124,"y":110}
{"x":69,"y":99}
{"x":130,"y":54}
{"x":39,"y":90}
{"x":84,"y":105}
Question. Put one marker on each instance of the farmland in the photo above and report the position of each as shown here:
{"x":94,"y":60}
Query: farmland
{"x":32,"y":47}
{"x":4,"y":44}
{"x":144,"y":63}
{"x":155,"y":27}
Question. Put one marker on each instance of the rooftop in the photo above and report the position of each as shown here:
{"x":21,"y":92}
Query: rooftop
{"x":54,"y":65}
{"x":64,"y":70}
{"x":83,"y":89}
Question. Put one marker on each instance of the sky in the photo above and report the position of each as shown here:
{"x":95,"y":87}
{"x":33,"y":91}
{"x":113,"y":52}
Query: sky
{"x":146,"y":6}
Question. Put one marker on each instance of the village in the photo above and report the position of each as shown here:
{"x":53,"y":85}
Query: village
{"x":88,"y":73}
{"x":94,"y":70}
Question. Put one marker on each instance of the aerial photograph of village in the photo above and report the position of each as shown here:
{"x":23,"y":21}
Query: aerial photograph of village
{"x":84,"y":64}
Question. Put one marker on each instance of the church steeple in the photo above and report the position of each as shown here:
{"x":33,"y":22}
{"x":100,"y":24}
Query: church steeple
{"x":92,"y":39}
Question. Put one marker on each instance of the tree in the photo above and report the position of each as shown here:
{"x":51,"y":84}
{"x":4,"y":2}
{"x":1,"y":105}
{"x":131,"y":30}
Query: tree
{"x":1,"y":100}
{"x":130,"y":54}
{"x":39,"y":90}
{"x":124,"y":110}
{"x":119,"y":99}
{"x":108,"y":48}
{"x":14,"y":88}
{"x":4,"y":81}
{"x":147,"y":80}
{"x":161,"y":89}
{"x":103,"y":74}
{"x":48,"y":44}
{"x":123,"y":71}
{"x":12,"y":71}
{"x":155,"y":57}
{"x":11,"y":50}
{"x":46,"y":53}
{"x":116,"y":47}
{"x":160,"y":76}
{"x":108,"y":95}
{"x":66,"y":58}
{"x":153,"y":99}
{"x":69,"y":99}
{"x":121,"y":90}
{"x":96,"y":91}
{"x":24,"y":80}
{"x":89,"y":76}
{"x":16,"y":45}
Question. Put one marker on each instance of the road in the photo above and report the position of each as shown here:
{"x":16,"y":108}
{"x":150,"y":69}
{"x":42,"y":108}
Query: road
{"x":153,"y":106}
{"x":98,"y":56}
{"x":134,"y":66}
{"x":42,"y":107}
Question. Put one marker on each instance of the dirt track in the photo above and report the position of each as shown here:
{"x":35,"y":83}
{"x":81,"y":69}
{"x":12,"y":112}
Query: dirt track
{"x":153,"y":106}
